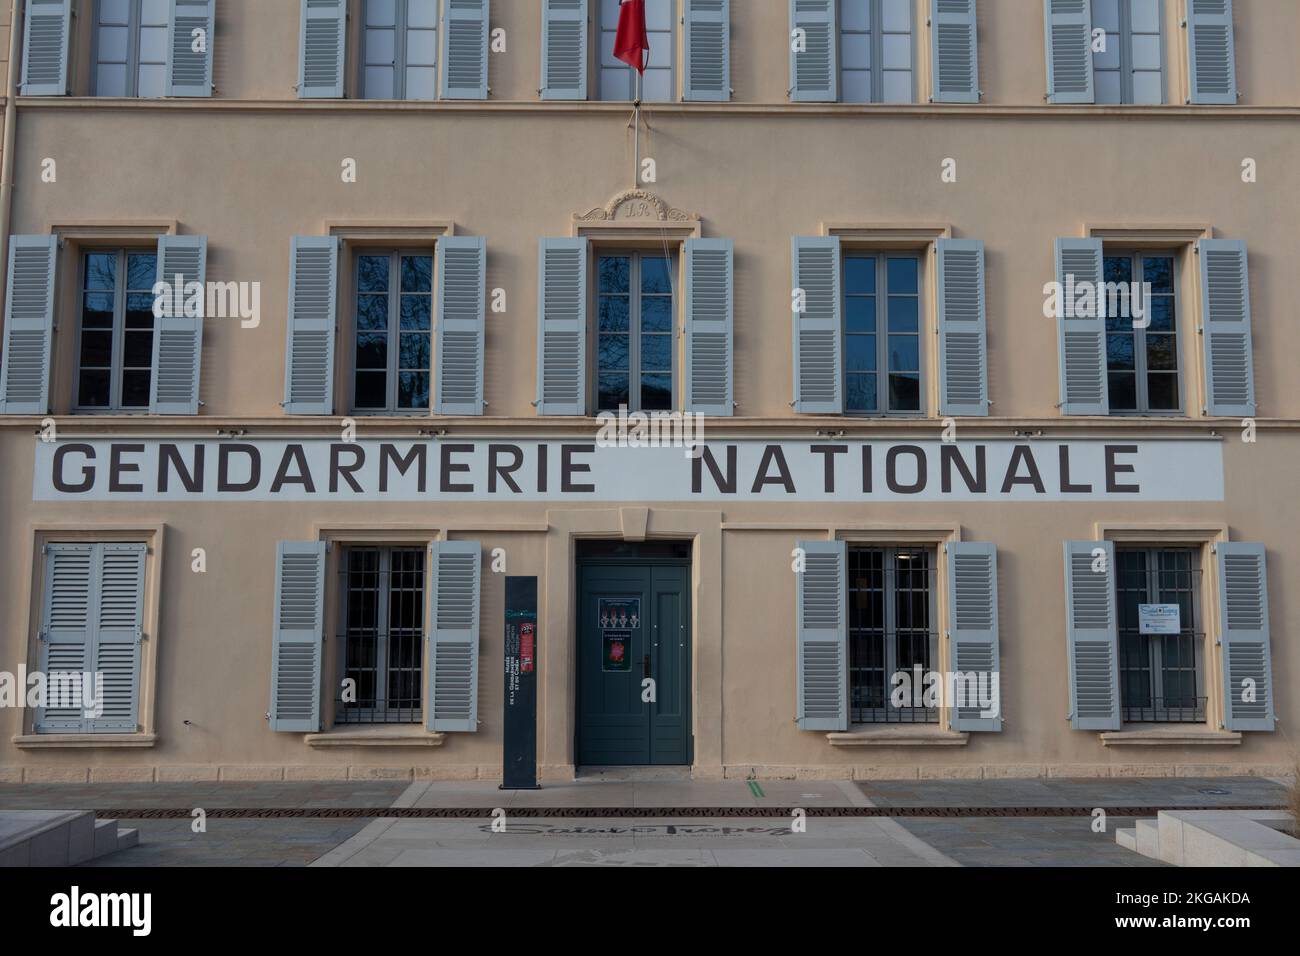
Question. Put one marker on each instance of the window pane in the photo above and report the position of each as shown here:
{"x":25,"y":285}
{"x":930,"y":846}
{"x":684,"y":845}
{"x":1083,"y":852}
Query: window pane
{"x":414,"y":351}
{"x":1108,"y":85}
{"x":655,"y":277}
{"x":371,"y":389}
{"x":1119,"y":352}
{"x":612,"y":352}
{"x":656,"y":314}
{"x":1162,"y":391}
{"x":421,"y":47}
{"x":110,"y":79}
{"x":372,"y":312}
{"x":381,"y":47}
{"x":152,"y":81}
{"x":615,"y":274}
{"x":1159,"y":272}
{"x":614,"y":314}
{"x":137,"y":350}
{"x":153,"y":45}
{"x":422,"y":13}
{"x":613,"y":390}
{"x":855,"y":14}
{"x":896,"y":53}
{"x":97,"y":310}
{"x":412,"y":390}
{"x":902,"y":275}
{"x":114,"y":11}
{"x":139,"y":311}
{"x":135,"y":388}
{"x":904,"y":393}
{"x":1162,"y":313}
{"x":860,"y":393}
{"x":855,"y":86}
{"x":417,"y":312}
{"x":903,"y":356}
{"x":92,"y":389}
{"x":855,"y":51}
{"x":381,"y":13}
{"x":372,"y":274}
{"x":859,"y":274}
{"x":101,"y":270}
{"x":896,"y":86}
{"x":903,"y":313}
{"x":421,"y":83}
{"x":112,"y":44}
{"x":1161,"y":354}
{"x":1148,"y":88}
{"x":372,"y":351}
{"x":896,"y":15}
{"x":860,"y":353}
{"x":656,"y":353}
{"x":96,"y":348}
{"x":656,"y":392}
{"x":142,"y":272}
{"x":379,"y":83}
{"x":860,"y":313}
{"x":1123,"y":391}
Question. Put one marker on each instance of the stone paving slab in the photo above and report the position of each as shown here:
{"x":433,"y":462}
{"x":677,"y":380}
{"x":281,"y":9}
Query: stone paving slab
{"x":292,"y":842}
{"x":1082,"y":792}
{"x":1027,"y":841}
{"x":89,"y":796}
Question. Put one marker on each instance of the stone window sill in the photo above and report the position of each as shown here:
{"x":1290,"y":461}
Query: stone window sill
{"x":379,"y":735}
{"x":1169,"y":737}
{"x":900,"y":737}
{"x":83,"y":741}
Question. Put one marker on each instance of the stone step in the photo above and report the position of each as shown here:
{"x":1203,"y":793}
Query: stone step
{"x":1127,"y":838}
{"x":1148,"y":838}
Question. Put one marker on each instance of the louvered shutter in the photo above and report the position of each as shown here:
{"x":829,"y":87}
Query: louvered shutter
{"x":45,"y":48}
{"x":1244,"y":636}
{"x":1069,"y":50}
{"x":814,"y":73}
{"x":322,"y":45}
{"x":562,"y":327}
{"x":1225,"y":338}
{"x":710,"y":310}
{"x":707,"y":48}
{"x":465,"y":50}
{"x":821,"y":636}
{"x":66,"y":633}
{"x":564,"y":49}
{"x":963,"y":336}
{"x":298,"y":636}
{"x":119,"y":629}
{"x":452,"y":647}
{"x":462,"y":261}
{"x":313,"y":310}
{"x":178,"y":339}
{"x":818,"y":329}
{"x":189,"y":71}
{"x":973,"y":632}
{"x":29,"y":325}
{"x":1081,"y":339}
{"x":1211,"y":58}
{"x":1092,"y":636}
{"x":954,"y":51}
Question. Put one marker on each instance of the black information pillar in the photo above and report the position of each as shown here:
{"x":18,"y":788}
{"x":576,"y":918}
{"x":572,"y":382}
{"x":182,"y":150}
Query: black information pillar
{"x":519,"y":747}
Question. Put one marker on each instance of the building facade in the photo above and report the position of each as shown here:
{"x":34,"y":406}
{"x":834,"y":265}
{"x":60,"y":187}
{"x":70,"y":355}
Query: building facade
{"x":951,"y":341}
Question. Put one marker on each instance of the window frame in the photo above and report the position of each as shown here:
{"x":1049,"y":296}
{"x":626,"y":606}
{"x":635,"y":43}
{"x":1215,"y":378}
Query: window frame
{"x":1138,"y":258}
{"x":400,"y":33}
{"x":392,"y":371}
{"x":117,"y":358}
{"x":634,"y":370}
{"x":1126,"y":97}
{"x":877,"y":35}
{"x":881,"y":333}
{"x":674,"y":78}
{"x":135,"y":24}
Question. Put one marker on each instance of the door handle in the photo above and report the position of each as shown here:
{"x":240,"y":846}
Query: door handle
{"x":645,"y":666}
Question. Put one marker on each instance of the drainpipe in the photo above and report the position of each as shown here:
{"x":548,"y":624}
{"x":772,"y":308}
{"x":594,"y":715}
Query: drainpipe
{"x":7,"y":158}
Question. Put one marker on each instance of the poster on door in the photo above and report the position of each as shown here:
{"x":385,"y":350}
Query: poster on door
{"x":618,"y":617}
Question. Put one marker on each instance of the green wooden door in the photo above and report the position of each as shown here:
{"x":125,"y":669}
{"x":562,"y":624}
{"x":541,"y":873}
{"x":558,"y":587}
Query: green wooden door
{"x":634,"y":624}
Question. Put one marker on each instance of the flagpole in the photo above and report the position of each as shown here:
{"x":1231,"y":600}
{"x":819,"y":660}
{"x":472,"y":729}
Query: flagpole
{"x":636,"y":138}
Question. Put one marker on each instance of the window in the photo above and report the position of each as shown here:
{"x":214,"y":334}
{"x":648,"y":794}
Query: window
{"x":618,"y":80}
{"x":891,"y":629}
{"x":882,"y":341}
{"x":1161,"y":675}
{"x":1142,"y":356}
{"x":1131,"y":69}
{"x":876,"y":51}
{"x":634,"y":351}
{"x":131,"y":47}
{"x":400,"y":50}
{"x":393,"y":331}
{"x":383,"y":634}
{"x":115,"y":350}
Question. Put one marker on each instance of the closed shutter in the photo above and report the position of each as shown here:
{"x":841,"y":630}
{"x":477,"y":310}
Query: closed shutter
{"x":45,"y":48}
{"x":66,"y":639}
{"x":973,"y":634}
{"x":707,"y":45}
{"x":1092,"y":635}
{"x":818,"y":329}
{"x":822,"y":636}
{"x":562,"y":327}
{"x":1226,"y":340}
{"x":465,"y":50}
{"x":178,"y":342}
{"x":189,"y":70}
{"x":1081,"y":339}
{"x":119,"y":629}
{"x":564,"y":49}
{"x":954,"y":51}
{"x":29,"y":325}
{"x":297,"y":636}
{"x":322,"y":45}
{"x":814,"y":71}
{"x":1211,"y":59}
{"x":963,"y":336}
{"x":462,"y":261}
{"x":452,"y":651}
{"x":313,"y":309}
{"x":1069,"y":50}
{"x":710,"y":298}
{"x":1244,"y":636}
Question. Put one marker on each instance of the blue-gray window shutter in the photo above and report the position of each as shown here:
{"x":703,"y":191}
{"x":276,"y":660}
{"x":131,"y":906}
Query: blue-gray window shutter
{"x":707,"y":49}
{"x":973,"y":632}
{"x":562,"y":327}
{"x":1211,"y":59}
{"x":1225,"y":338}
{"x":462,"y":264}
{"x":1069,"y":50}
{"x":1244,"y":635}
{"x":298,"y":636}
{"x":118,"y":596}
{"x":1081,"y":339}
{"x":710,"y":314}
{"x":452,"y":651}
{"x":67,"y":623}
{"x":1092,"y":635}
{"x":45,"y":48}
{"x":963,"y":335}
{"x":954,"y":51}
{"x":29,"y":325}
{"x":178,"y":342}
{"x":821,"y":636}
{"x":815,"y":72}
{"x":313,"y":315}
{"x":818,"y":329}
{"x":564,"y":49}
{"x":322,"y":49}
{"x":189,"y":71}
{"x":465,"y":50}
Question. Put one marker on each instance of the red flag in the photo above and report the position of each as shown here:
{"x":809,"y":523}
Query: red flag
{"x":631,"y":44}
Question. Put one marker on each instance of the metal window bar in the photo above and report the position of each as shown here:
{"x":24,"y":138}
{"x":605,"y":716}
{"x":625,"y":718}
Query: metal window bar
{"x":382,"y":635}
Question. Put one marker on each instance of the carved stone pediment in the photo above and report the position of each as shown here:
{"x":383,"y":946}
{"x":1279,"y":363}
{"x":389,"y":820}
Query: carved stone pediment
{"x":636,"y":205}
